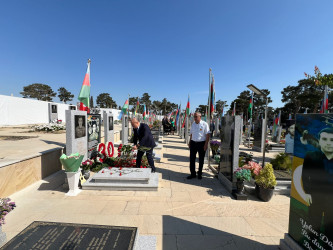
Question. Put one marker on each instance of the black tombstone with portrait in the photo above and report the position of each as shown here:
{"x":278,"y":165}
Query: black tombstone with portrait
{"x":110,"y":123}
{"x":94,"y":132}
{"x":54,"y":109}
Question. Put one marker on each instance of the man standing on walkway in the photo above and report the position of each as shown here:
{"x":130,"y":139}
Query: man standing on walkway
{"x":146,"y":143}
{"x":199,"y":139}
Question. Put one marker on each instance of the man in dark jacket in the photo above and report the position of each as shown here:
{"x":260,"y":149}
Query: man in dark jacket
{"x":143,"y":141}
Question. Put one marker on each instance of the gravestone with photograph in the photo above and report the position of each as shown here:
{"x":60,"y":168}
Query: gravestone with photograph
{"x":124,"y":129}
{"x":76,"y":132}
{"x":94,"y":132}
{"x":276,"y":136}
{"x":108,"y":127}
{"x":72,"y":107}
{"x":311,"y":196}
{"x":53,"y":112}
{"x":259,"y":135}
{"x":229,"y":134}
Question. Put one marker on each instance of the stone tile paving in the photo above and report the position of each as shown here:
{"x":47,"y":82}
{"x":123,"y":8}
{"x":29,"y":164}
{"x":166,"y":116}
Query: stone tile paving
{"x":182,"y":214}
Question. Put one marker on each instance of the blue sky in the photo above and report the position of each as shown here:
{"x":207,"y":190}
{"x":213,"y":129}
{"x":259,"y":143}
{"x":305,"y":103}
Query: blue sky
{"x":164,"y":48}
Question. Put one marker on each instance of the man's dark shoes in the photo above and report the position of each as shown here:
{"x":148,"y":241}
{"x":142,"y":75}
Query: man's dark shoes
{"x":190,"y":177}
{"x":199,"y":177}
{"x":153,"y":170}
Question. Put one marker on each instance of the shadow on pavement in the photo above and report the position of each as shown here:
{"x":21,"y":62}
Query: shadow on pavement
{"x":182,"y":234}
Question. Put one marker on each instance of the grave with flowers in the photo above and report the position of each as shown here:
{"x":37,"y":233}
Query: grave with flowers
{"x":119,"y":173}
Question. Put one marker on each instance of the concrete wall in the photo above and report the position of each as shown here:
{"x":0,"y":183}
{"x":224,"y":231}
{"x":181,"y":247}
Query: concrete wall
{"x":21,"y":174}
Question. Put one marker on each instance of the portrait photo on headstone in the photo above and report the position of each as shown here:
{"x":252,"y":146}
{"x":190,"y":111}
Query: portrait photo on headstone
{"x":110,"y":123}
{"x":126,"y":122}
{"x":72,"y":107}
{"x":80,"y":129}
{"x":93,"y":129}
{"x":54,"y":108}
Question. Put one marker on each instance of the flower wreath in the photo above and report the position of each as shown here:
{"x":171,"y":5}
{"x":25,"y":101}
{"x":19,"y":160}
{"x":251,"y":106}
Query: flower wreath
{"x":101,"y":150}
{"x":110,"y":145}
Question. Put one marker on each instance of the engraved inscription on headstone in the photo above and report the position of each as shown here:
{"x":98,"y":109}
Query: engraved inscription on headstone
{"x":52,"y":235}
{"x":76,"y":132}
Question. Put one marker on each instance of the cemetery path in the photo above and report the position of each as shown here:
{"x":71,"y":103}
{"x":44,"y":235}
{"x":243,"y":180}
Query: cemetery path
{"x":182,"y":214}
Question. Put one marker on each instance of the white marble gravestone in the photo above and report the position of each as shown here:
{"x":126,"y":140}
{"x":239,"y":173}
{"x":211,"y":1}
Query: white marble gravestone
{"x":108,"y":127}
{"x":124,"y":130}
{"x":53,"y":112}
{"x":76,"y":132}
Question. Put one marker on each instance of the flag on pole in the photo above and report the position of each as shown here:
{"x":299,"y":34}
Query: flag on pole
{"x":137,"y":107}
{"x":123,"y":110}
{"x":177,"y":116}
{"x":222,"y":110}
{"x":212,"y":96}
{"x":250,"y":106}
{"x":188,"y":106}
{"x":326,"y":100}
{"x":144,"y":111}
{"x":183,"y":125}
{"x":84,"y":96}
{"x":234,"y":110}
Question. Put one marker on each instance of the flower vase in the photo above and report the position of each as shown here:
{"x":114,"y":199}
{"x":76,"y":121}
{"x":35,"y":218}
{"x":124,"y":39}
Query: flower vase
{"x":240,"y":186}
{"x":264,"y":194}
{"x":73,"y":183}
{"x":3,"y":237}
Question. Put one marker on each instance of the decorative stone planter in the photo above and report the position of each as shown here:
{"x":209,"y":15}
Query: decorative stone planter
{"x":73,"y":183}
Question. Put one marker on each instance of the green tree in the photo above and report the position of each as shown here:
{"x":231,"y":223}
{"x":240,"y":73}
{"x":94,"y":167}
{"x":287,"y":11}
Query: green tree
{"x":307,"y":95}
{"x":145,"y":99}
{"x":157,"y":106}
{"x":104,"y":100}
{"x":64,"y":95}
{"x":202,"y":109}
{"x":38,"y":91}
{"x":132,"y":101}
{"x":219,"y":106}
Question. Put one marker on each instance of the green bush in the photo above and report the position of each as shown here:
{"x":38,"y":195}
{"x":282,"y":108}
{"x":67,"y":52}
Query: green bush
{"x":266,"y":177}
{"x":281,"y":162}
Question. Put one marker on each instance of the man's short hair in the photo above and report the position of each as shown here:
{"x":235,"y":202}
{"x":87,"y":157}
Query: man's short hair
{"x":197,"y":114}
{"x":325,"y":130}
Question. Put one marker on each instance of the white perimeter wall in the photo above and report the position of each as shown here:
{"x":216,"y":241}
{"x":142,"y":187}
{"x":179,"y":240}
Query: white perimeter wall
{"x":18,"y":111}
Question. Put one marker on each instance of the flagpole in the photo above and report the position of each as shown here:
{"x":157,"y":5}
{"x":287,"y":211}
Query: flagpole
{"x":250,"y":127}
{"x":208,"y":115}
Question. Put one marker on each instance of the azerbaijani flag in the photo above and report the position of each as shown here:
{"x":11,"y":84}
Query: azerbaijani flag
{"x":325,"y":100}
{"x":84,"y":96}
{"x":250,"y":106}
{"x":188,"y":106}
{"x":123,"y":110}
{"x":212,"y":96}
{"x":144,"y":112}
{"x":222,"y":110}
{"x":183,"y":125}
{"x":177,"y":115}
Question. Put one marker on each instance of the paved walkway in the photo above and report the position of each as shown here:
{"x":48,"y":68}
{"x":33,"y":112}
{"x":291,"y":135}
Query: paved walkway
{"x":183,"y":214}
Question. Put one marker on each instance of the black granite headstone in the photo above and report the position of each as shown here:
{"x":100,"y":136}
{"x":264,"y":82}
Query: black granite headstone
{"x":53,"y":235}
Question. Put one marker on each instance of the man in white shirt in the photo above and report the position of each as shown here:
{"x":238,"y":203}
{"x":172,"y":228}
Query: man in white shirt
{"x":199,"y":139}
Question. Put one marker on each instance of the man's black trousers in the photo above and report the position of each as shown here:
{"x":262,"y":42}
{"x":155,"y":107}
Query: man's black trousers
{"x":194,"y":148}
{"x":149,"y":155}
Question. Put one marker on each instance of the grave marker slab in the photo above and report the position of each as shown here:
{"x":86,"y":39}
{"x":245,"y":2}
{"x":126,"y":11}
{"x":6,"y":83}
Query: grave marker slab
{"x":53,"y":112}
{"x":76,"y":132}
{"x":108,"y":127}
{"x":259,"y":135}
{"x":230,"y":133}
{"x":94,"y":132}
{"x":124,"y":129}
{"x":54,"y":235}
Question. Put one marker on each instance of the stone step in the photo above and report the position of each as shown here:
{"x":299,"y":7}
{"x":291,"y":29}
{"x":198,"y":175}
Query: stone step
{"x":145,"y":242}
{"x":152,"y":185}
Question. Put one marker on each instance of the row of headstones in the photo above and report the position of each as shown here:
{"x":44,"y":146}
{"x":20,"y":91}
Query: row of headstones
{"x":83,"y":131}
{"x":53,"y":111}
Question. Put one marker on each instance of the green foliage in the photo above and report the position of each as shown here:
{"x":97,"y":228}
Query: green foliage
{"x":64,"y":95}
{"x":202,"y":109}
{"x":104,"y":100}
{"x":281,"y":162}
{"x":266,"y":177}
{"x":219,"y":105}
{"x":243,"y":174}
{"x":241,"y":161}
{"x":110,"y":161}
{"x":38,"y":91}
